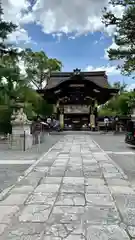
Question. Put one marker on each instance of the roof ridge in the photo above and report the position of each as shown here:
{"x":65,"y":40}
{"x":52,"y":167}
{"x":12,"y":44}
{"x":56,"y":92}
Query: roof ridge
{"x":90,"y":73}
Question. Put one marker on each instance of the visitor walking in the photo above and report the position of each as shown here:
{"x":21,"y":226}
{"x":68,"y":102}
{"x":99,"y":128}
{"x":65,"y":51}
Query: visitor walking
{"x":37,"y":130}
{"x":116,"y":124}
{"x":56,"y":124}
{"x":49,"y":121}
{"x":106,"y":123}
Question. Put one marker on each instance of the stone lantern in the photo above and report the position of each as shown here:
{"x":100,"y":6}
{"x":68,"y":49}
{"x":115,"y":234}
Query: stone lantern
{"x":21,"y":127}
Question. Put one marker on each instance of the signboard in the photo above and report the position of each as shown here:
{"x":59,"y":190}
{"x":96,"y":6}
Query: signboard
{"x":76,"y":85}
{"x":76,"y":109}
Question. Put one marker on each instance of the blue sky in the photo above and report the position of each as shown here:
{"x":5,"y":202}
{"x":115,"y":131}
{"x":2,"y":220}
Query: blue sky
{"x":72,"y":33}
{"x":80,"y":52}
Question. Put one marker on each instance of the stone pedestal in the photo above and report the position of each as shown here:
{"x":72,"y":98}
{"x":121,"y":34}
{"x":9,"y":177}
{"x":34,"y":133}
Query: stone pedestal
{"x":21,"y":138}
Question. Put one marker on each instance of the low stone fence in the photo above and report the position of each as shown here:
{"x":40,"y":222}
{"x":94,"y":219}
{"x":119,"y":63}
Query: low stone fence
{"x":119,"y":127}
{"x":22,"y":142}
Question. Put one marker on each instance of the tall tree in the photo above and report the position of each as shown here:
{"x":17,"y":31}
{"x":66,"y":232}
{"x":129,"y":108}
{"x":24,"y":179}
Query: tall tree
{"x":5,"y":29}
{"x":119,"y":104}
{"x":8,"y":71}
{"x":120,"y":86}
{"x":8,"y":56}
{"x":38,"y":67}
{"x":13,"y":84}
{"x":124,"y":34}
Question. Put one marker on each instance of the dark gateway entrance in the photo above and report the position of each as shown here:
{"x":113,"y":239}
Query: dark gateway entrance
{"x":75,"y":96}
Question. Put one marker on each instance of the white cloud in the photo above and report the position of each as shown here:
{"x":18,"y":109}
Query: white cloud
{"x":99,"y":40}
{"x":112,"y":46}
{"x":130,"y":87}
{"x":110,"y":70}
{"x":96,"y":42}
{"x":27,"y":18}
{"x":22,"y":67}
{"x":19,"y":35}
{"x":117,"y":10}
{"x":71,"y":16}
{"x":58,"y":36}
{"x":14,"y":10}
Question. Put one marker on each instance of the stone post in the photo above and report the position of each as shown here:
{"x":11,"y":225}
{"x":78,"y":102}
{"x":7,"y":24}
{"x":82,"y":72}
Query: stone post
{"x":21,"y":131}
{"x":61,"y":118}
{"x":133,"y":115}
{"x":92,"y":117}
{"x":96,"y":114}
{"x":92,"y":121}
{"x":57,"y":110}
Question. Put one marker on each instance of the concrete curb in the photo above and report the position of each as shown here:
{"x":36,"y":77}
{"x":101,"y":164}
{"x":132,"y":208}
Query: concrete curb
{"x":5,"y":192}
{"x":87,"y":132}
{"x":119,"y":133}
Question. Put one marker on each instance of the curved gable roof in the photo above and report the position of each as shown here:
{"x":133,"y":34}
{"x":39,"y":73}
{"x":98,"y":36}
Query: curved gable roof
{"x":97,"y":77}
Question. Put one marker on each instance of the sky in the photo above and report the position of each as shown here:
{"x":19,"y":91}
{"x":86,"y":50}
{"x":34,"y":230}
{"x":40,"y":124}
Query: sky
{"x":71,"y":31}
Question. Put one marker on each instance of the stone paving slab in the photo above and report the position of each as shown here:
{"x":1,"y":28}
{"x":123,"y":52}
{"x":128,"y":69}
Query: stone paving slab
{"x":75,"y":193}
{"x":42,"y":198}
{"x":14,"y":163}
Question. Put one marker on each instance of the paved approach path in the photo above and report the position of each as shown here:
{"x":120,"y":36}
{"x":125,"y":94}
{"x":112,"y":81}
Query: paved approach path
{"x":76,"y":192}
{"x":121,"y":153}
{"x":13,"y":163}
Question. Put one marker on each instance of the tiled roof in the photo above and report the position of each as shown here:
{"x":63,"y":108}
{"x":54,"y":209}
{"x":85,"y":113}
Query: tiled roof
{"x":99,"y":78}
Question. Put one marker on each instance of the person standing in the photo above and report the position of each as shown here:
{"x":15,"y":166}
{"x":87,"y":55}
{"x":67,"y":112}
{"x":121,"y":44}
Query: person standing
{"x":116,"y":124}
{"x":38,"y":131}
{"x":49,"y":121}
{"x":106,"y":123}
{"x":57,"y":125}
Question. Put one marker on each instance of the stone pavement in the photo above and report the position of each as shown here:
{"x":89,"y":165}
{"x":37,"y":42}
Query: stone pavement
{"x":75,"y":193}
{"x":13,"y":163}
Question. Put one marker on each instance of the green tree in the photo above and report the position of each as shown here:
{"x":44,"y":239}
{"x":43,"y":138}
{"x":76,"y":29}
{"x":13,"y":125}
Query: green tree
{"x":14,"y":85}
{"x":38,"y":67}
{"x":119,"y":104}
{"x":34,"y":104}
{"x":124,"y":34}
{"x":120,"y":86}
{"x":104,"y":111}
{"x":131,"y":101}
{"x":6,"y":50}
{"x":5,"y":29}
{"x":8,"y":71}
